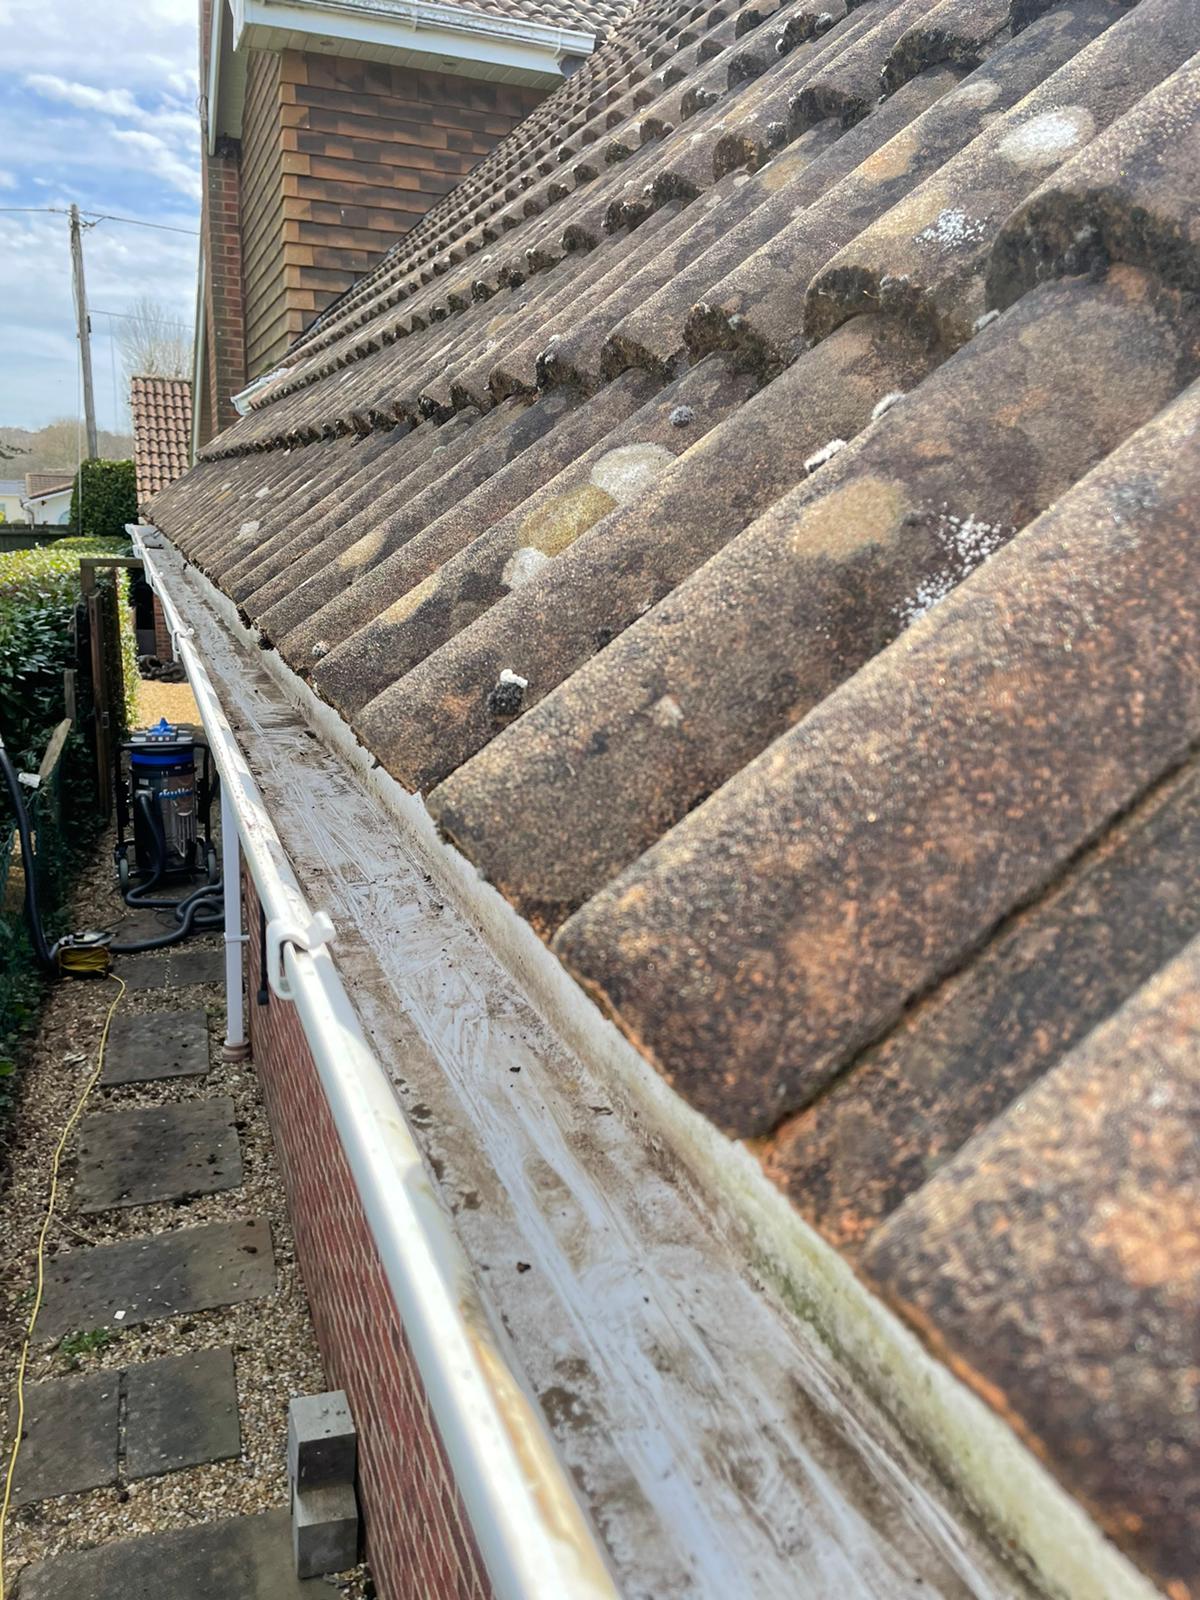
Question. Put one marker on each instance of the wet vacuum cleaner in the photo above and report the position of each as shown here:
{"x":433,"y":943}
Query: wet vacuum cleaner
{"x":165,"y":790}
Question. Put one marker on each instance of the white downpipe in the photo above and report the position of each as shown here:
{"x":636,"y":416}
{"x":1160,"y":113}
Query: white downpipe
{"x":236,"y":1047}
{"x":534,"y":1538}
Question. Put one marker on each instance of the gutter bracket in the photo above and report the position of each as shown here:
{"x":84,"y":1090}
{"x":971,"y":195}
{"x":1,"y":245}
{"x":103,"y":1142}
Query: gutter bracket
{"x":280,"y":931}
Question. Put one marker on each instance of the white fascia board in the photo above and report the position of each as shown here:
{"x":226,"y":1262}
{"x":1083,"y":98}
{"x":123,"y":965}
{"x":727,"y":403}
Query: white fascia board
{"x":214,"y":73}
{"x":423,"y":27}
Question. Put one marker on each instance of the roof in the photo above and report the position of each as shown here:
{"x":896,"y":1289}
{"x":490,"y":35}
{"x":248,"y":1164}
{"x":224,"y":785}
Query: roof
{"x":755,"y":510}
{"x":39,"y":484}
{"x":589,"y":16}
{"x":162,"y":431}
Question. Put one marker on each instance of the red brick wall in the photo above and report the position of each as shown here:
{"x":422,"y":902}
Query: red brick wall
{"x":418,"y":1541}
{"x":163,"y":648}
{"x":224,"y":311}
{"x":368,"y":148}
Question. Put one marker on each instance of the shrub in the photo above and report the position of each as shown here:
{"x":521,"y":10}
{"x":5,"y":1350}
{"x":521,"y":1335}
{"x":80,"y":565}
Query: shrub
{"x":38,"y":593}
{"x":104,"y":499}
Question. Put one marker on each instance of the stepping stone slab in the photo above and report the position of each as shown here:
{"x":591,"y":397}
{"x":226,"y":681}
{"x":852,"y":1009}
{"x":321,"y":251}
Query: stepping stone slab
{"x":180,"y":1412}
{"x":197,"y":966}
{"x":156,"y":1044}
{"x":148,"y":971}
{"x":247,"y":1558}
{"x":143,"y":924}
{"x":134,"y":1158}
{"x":70,"y":1436}
{"x":177,"y":966}
{"x":167,"y":1275}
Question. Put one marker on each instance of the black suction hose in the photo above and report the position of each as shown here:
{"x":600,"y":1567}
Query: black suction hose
{"x":192,"y":912}
{"x":33,"y":913}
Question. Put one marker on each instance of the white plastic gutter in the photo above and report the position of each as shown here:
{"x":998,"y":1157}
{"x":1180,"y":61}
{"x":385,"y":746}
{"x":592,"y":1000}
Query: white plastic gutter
{"x":533,"y":1536}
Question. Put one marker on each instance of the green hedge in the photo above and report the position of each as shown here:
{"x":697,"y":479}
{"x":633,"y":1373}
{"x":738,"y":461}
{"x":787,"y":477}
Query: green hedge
{"x":38,"y":592}
{"x":104,"y":499}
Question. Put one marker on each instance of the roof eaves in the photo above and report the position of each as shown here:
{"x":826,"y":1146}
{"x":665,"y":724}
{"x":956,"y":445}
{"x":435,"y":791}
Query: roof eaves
{"x":430,"y":27}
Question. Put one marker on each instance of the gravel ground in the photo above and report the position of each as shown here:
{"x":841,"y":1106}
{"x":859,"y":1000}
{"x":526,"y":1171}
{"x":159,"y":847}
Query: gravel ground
{"x":274,"y":1347}
{"x":171,"y":700}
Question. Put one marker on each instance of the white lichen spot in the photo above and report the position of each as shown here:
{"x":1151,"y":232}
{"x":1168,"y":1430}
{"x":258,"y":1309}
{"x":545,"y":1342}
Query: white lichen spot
{"x":667,"y":712}
{"x":523,"y":566}
{"x":980,"y":93}
{"x":507,"y":675}
{"x":985,"y":320}
{"x":249,"y":529}
{"x":966,"y":543}
{"x":321,"y":648}
{"x":886,"y":403}
{"x":824,"y":454}
{"x":630,"y":469}
{"x":1049,"y":138}
{"x":952,"y":229}
{"x":261,"y":494}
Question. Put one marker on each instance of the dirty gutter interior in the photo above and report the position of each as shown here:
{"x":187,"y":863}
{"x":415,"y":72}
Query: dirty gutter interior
{"x":531,"y":1532}
{"x":710,"y":1368}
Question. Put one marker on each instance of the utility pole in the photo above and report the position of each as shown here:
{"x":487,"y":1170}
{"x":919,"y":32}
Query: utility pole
{"x":85,"y":342}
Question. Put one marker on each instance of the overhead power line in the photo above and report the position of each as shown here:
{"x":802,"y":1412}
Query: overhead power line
{"x":101,"y":216}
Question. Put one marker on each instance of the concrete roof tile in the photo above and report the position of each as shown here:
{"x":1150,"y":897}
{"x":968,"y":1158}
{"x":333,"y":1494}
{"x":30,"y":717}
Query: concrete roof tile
{"x":803,"y":401}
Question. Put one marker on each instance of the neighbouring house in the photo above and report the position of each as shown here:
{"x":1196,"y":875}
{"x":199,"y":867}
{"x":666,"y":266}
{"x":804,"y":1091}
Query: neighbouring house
{"x":12,"y":497}
{"x":161,"y":410}
{"x":329,"y":130}
{"x":47,"y":498}
{"x":713,"y":619}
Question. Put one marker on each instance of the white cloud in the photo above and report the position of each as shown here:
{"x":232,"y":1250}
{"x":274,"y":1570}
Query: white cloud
{"x":113,"y":102}
{"x":97,"y":106}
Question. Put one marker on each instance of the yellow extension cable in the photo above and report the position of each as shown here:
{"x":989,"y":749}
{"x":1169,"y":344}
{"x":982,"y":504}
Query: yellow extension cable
{"x":41,"y":1263}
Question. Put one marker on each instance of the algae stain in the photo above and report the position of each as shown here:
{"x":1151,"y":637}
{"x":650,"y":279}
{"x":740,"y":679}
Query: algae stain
{"x":864,"y":512}
{"x":561,"y":519}
{"x":403,"y":608}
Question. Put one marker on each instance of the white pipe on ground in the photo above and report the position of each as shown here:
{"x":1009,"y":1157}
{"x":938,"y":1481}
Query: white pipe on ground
{"x":532,"y":1533}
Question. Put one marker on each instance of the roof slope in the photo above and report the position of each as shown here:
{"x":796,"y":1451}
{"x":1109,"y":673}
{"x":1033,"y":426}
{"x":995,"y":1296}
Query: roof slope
{"x":41,"y":483}
{"x":162,"y":431}
{"x":756,"y":509}
{"x":598,"y":17}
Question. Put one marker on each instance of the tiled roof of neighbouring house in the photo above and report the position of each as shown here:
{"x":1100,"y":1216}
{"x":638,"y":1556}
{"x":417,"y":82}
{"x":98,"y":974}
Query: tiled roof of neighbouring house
{"x":758,"y":509}
{"x":42,"y":483}
{"x":162,"y":431}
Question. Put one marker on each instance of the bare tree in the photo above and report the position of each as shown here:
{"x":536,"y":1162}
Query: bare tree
{"x":153,"y":344}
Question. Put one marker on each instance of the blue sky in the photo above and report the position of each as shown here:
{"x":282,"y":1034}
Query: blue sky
{"x":97,"y":105}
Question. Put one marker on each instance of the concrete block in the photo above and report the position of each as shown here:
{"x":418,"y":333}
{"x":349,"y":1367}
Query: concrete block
{"x":322,"y":1442}
{"x":324,"y":1530}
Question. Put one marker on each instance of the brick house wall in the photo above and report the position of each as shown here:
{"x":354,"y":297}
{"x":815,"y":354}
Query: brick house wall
{"x":338,"y":157}
{"x":223,"y":305}
{"x":164,"y":649}
{"x":268,"y":324}
{"x":418,"y":1542}
{"x":367,"y":149}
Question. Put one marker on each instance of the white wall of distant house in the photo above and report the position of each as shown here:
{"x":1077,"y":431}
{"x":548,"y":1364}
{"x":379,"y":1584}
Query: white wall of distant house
{"x":12,"y":493}
{"x":48,"y":510}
